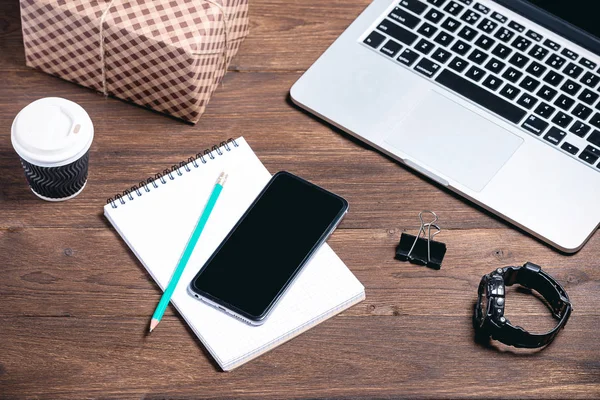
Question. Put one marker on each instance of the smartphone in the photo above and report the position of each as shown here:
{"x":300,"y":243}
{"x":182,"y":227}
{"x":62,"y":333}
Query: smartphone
{"x":260,"y":257}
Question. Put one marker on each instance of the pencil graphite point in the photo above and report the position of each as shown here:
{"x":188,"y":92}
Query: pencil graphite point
{"x":222,"y":179}
{"x":153,"y":324}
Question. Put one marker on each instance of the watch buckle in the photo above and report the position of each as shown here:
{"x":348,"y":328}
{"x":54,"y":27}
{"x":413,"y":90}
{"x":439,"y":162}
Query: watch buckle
{"x":559,"y":312}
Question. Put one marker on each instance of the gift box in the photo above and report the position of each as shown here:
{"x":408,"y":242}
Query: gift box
{"x":167,"y":55}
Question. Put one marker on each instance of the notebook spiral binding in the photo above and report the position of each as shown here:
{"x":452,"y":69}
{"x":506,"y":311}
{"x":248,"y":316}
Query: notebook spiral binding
{"x":170,"y":173}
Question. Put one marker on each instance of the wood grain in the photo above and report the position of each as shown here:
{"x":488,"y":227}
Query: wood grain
{"x":75,"y":302}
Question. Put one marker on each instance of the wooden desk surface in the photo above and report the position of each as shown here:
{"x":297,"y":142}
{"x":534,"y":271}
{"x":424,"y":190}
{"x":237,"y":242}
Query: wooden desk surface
{"x":75,"y":302}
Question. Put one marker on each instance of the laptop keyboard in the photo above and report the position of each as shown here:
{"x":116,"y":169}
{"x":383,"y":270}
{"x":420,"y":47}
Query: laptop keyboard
{"x":547,"y":90}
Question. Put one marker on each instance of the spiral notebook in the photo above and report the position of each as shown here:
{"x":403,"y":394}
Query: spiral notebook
{"x":156,"y":218}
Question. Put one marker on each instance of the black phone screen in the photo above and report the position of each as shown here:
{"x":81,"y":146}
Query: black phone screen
{"x":269,"y":244}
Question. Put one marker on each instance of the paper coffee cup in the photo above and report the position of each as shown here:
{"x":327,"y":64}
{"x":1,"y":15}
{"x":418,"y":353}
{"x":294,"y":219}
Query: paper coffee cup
{"x":52,"y":136}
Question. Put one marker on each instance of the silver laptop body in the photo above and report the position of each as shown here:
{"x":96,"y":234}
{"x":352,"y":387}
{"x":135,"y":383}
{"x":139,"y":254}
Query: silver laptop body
{"x":432,"y":112}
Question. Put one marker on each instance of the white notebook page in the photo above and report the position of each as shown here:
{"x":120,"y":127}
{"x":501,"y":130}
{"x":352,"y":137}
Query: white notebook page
{"x":157,"y":226}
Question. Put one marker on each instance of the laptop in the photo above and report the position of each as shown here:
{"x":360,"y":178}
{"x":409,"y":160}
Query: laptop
{"x":495,"y":100}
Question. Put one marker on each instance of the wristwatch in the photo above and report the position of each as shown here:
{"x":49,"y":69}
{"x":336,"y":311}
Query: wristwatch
{"x":489,"y":319}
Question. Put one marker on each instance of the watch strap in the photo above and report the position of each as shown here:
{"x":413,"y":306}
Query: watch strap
{"x":533,"y":277}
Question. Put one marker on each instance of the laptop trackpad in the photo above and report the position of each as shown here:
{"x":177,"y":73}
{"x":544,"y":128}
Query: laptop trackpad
{"x":447,"y":138}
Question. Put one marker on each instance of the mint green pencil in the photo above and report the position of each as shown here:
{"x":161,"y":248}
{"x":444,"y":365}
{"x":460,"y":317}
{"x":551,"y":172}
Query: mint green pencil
{"x":187,"y":252}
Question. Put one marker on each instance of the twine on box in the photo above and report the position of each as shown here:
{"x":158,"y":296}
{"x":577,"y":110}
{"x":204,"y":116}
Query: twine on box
{"x":103,"y":50}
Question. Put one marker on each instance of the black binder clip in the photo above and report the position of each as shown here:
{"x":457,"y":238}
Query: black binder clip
{"x":422,"y":250}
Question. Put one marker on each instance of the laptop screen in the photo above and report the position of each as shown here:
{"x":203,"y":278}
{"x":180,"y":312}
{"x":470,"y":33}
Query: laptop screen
{"x":581,"y":13}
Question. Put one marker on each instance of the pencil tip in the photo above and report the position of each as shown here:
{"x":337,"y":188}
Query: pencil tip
{"x":153,"y":324}
{"x":222,"y":178}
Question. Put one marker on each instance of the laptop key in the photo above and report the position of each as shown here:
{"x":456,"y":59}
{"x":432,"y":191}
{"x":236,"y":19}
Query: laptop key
{"x":484,"y":42}
{"x":582,"y":112}
{"x":397,"y":32}
{"x":475,"y":73}
{"x":564,"y":102}
{"x":527,"y":101}
{"x":569,"y":54}
{"x":408,"y":57}
{"x":547,"y":93}
{"x":570,"y":87}
{"x":544,"y":110}
{"x":573,"y":70}
{"x":424,"y":46}
{"x":518,"y":60}
{"x":467,"y":2}
{"x":555,"y":135}
{"x":504,"y":34}
{"x":594,"y":138}
{"x":561,"y":119}
{"x":441,"y":55}
{"x":534,"y":35}
{"x":529,"y":84}
{"x":589,"y":155}
{"x":450,"y":24}
{"x":458,"y":64}
{"x":535,"y":125}
{"x":587,"y":63}
{"x":595,"y":120}
{"x":492,"y":82}
{"x":521,"y":43}
{"x":516,"y":26}
{"x":484,"y":98}
{"x":391,"y":48}
{"x":487,"y":25}
{"x":509,"y":91}
{"x":478,"y":56}
{"x":555,"y":61}
{"x":580,"y":129}
{"x":467,"y":33}
{"x":499,"y":17}
{"x":590,"y":79}
{"x":454,"y":8}
{"x":434,"y":15}
{"x":536,"y":69}
{"x":553,"y":45}
{"x":404,"y":18}
{"x":427,"y":67}
{"x":437,"y":3}
{"x":444,"y":39}
{"x":588,"y":97}
{"x":495,"y":65}
{"x":569,"y":148}
{"x":427,"y":30}
{"x":511,"y":74}
{"x":414,"y":5}
{"x":553,"y":78}
{"x":501,"y":51}
{"x":470,"y":17}
{"x":538,"y":52}
{"x":481,"y":8}
{"x":461,"y":48}
{"x":374,"y":39}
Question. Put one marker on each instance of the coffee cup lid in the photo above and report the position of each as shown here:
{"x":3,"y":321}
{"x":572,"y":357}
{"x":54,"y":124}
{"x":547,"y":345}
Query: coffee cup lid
{"x":52,"y":132}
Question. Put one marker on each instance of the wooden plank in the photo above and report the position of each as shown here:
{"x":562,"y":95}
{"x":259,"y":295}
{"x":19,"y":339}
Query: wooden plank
{"x":91,"y":272}
{"x":344,"y":357}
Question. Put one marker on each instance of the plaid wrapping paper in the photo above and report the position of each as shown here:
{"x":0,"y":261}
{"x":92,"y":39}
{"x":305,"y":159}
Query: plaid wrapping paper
{"x":167,"y":55}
